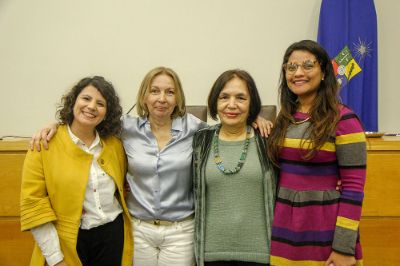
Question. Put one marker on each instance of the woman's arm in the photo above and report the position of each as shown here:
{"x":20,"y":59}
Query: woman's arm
{"x":47,"y":239}
{"x":263,"y":125}
{"x":35,"y":206}
{"x":351,"y":156}
{"x":43,"y":136}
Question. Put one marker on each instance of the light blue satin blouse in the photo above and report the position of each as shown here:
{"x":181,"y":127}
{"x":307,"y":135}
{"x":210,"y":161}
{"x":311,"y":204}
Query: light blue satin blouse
{"x":160,"y":181}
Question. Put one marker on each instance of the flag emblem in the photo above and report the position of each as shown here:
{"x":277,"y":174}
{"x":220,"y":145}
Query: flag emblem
{"x":345,"y":66}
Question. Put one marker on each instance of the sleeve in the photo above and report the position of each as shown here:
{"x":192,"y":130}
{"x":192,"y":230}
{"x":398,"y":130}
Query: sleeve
{"x":194,"y":162}
{"x":198,"y":138}
{"x":123,"y":164}
{"x":35,"y":204}
{"x":196,"y":122}
{"x":121,"y":156}
{"x":203,"y":125}
{"x":47,"y":239}
{"x":351,"y":155}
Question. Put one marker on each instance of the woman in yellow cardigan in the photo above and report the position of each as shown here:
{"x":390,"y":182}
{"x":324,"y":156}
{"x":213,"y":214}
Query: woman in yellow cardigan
{"x":72,"y":194}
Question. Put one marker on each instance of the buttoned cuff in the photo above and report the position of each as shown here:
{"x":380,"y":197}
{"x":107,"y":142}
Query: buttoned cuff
{"x":55,"y":258}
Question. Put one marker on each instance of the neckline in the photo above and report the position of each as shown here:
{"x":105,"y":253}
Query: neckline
{"x":217,"y":158}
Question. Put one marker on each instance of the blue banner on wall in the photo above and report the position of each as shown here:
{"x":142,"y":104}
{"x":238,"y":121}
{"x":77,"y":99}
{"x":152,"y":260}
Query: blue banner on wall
{"x":348,"y":32}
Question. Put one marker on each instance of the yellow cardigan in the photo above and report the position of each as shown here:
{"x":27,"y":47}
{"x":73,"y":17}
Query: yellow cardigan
{"x":53,"y":190}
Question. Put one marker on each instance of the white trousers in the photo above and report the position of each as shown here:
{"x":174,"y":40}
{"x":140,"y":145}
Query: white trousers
{"x":163,"y":245}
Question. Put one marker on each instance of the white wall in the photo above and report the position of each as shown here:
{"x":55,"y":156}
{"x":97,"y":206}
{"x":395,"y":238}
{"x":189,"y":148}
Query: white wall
{"x":46,"y":46}
{"x":388,"y":12}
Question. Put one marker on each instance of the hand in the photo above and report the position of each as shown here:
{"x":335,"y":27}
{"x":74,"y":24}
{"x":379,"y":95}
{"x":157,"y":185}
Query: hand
{"x":61,"y":263}
{"x":339,"y":185}
{"x":263,"y":125}
{"x":337,"y":259}
{"x":127,"y":188}
{"x":44,"y":135}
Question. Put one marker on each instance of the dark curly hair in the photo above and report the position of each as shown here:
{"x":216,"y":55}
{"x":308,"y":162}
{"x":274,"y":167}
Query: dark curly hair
{"x":324,"y":112}
{"x":111,"y":125}
{"x":219,"y":84}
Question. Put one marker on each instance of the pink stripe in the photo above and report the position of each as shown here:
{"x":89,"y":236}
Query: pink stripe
{"x":295,"y":154}
{"x":349,"y":126}
{"x":298,"y":182}
{"x":353,"y":172}
{"x":300,"y":115}
{"x":290,"y":154}
{"x":343,"y":110}
{"x":314,"y":253}
{"x":353,"y":179}
{"x":359,"y":254}
{"x":317,"y":218}
{"x":350,"y":211}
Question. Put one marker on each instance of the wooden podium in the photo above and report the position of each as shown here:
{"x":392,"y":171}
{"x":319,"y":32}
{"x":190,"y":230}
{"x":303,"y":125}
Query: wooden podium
{"x":16,"y":247}
{"x":380,"y":224}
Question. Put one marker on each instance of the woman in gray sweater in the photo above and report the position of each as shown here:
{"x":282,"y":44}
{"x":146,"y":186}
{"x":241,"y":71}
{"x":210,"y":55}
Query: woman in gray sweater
{"x":234,"y":183}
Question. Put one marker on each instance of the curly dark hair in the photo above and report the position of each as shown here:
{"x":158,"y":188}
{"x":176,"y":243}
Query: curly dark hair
{"x":112,"y":124}
{"x":219,"y":84}
{"x":324,"y":112}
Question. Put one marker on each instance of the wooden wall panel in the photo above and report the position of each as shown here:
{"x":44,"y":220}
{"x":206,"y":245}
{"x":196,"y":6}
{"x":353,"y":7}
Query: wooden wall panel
{"x":16,"y":246}
{"x":10,"y":185}
{"x":380,"y":241}
{"x":382,"y":189}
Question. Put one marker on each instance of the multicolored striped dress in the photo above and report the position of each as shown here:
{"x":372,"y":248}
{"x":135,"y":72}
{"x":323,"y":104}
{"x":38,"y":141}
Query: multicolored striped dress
{"x":311,"y":217}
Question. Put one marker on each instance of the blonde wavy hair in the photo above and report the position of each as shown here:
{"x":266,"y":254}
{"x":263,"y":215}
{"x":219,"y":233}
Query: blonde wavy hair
{"x":141,"y":108}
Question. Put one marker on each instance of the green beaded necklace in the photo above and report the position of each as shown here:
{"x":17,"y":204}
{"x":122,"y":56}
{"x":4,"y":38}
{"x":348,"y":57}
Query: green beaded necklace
{"x":242,"y":159}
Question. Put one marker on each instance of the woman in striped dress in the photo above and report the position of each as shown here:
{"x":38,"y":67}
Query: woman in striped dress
{"x":315,"y":142}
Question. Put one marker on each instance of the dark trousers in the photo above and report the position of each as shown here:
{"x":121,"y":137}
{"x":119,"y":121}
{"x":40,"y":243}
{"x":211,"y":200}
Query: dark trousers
{"x":102,"y":245}
{"x":233,"y":263}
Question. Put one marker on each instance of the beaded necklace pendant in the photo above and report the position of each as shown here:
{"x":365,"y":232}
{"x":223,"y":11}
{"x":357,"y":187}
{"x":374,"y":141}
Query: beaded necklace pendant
{"x":217,"y":158}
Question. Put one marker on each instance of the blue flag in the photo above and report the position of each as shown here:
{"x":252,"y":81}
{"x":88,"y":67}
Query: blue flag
{"x":348,"y":32}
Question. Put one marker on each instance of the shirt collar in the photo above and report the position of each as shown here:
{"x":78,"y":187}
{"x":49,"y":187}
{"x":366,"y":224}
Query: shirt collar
{"x":78,"y":141}
{"x":177,"y":123}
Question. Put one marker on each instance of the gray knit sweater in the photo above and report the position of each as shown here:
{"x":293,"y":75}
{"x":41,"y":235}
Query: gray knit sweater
{"x":201,"y":152}
{"x":235,"y":227}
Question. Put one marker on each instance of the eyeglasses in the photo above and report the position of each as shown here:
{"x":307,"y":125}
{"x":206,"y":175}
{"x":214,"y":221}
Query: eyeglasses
{"x":307,"y":66}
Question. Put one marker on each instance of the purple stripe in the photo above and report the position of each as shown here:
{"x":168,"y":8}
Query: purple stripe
{"x":304,"y":236}
{"x":309,"y":170}
{"x":352,"y":195}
